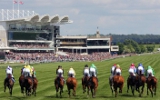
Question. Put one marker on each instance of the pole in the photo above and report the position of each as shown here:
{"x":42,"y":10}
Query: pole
{"x":18,"y":8}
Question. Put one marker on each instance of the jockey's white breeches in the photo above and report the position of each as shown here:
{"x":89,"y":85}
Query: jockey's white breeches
{"x":93,"y":72}
{"x":118,"y":71}
{"x":86,"y":72}
{"x":131,"y":71}
{"x":149,"y":71}
{"x":60,"y":71}
{"x":9,"y":72}
{"x":26,"y":71}
{"x":71,"y":72}
{"x":140,"y":68}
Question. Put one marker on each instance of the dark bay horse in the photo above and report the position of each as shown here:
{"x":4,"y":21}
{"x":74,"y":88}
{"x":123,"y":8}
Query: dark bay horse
{"x":131,"y":82}
{"x":93,"y":85}
{"x":21,"y":83}
{"x":59,"y":84}
{"x":28,"y":85}
{"x":141,"y":80}
{"x":71,"y":84}
{"x":35,"y":84}
{"x":85,"y":84}
{"x":8,"y":82}
{"x":151,"y":85}
{"x":118,"y":82}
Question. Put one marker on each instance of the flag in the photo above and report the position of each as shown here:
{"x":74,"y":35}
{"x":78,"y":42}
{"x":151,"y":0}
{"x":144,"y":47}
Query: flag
{"x":14,"y":1}
{"x":21,"y":2}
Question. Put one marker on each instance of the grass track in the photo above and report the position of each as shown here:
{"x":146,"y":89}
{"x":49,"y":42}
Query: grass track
{"x":46,"y":75}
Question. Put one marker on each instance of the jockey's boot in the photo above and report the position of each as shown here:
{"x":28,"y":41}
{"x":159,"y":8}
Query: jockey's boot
{"x":64,"y":80}
{"x":13,"y":79}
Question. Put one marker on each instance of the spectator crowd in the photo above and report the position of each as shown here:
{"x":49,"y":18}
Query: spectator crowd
{"x":52,"y":57}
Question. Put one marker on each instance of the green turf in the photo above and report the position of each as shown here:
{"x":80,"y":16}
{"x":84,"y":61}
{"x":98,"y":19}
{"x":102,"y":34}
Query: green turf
{"x":46,"y":75}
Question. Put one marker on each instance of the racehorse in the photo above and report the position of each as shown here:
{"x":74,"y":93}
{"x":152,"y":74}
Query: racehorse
{"x":21,"y":83}
{"x":141,"y":80}
{"x":118,"y":82}
{"x":85,"y":84}
{"x":35,"y":83}
{"x":93,"y":84}
{"x":8,"y":82}
{"x":71,"y":84}
{"x":59,"y":84}
{"x":151,"y":85}
{"x":111,"y":83}
{"x":28,"y":85}
{"x":131,"y":82}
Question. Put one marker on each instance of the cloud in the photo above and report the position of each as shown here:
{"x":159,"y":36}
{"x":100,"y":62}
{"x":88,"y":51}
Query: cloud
{"x":75,"y":11}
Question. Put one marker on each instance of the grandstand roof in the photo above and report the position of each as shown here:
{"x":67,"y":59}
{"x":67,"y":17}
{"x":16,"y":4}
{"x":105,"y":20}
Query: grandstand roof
{"x":21,"y":15}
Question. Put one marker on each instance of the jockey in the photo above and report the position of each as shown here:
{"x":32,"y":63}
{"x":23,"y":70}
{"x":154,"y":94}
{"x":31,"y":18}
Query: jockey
{"x":9,"y":70}
{"x":117,"y":70}
{"x":150,"y":70}
{"x":59,"y":71}
{"x":27,"y":71}
{"x":132,"y":70}
{"x":93,"y":70}
{"x":71,"y":72}
{"x":140,"y":68}
{"x":112,"y":69}
{"x":33,"y":72}
{"x":86,"y":71}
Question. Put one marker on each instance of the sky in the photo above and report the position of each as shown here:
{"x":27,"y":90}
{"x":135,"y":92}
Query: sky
{"x":110,"y":16}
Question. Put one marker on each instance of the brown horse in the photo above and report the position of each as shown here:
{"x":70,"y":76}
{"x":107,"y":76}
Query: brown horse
{"x":71,"y":84}
{"x":8,"y":82}
{"x":59,"y":84}
{"x":21,"y":83}
{"x":93,"y":85}
{"x":141,"y":80}
{"x":85,"y":84}
{"x":131,"y":82}
{"x":28,"y":85}
{"x":35,"y":83}
{"x":151,"y":85}
{"x":118,"y":82}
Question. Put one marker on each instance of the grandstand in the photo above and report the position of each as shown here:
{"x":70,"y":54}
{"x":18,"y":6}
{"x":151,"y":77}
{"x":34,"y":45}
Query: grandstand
{"x":25,"y":35}
{"x":85,"y":44}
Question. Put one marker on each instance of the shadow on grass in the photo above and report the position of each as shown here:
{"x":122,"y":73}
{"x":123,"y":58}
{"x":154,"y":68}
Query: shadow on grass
{"x":12,"y":97}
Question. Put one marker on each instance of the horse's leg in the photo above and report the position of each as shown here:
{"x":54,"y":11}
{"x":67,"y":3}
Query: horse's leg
{"x":69,"y":91}
{"x":128,"y":86}
{"x":115,"y":89}
{"x":132,"y":88}
{"x":74,"y":91}
{"x":147,"y":89}
{"x":155,"y":89}
{"x":10,"y":90}
{"x":4,"y":87}
{"x":92,"y":92}
{"x":57,"y":89}
{"x":88,"y":91}
{"x":150,"y":88}
{"x":60,"y":92}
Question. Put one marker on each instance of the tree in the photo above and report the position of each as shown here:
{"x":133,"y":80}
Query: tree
{"x":121,"y":48}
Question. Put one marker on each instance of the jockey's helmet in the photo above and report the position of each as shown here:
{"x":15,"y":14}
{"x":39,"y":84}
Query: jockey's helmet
{"x":32,"y":68}
{"x":86,"y":65}
{"x":118,"y":66}
{"x":71,"y":68}
{"x":140,"y":64}
{"x":132,"y":64}
{"x":115,"y":65}
{"x":59,"y":66}
{"x":149,"y":67}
